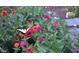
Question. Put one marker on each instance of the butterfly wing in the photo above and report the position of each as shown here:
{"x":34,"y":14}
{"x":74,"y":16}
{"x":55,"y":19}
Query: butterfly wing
{"x":22,"y":30}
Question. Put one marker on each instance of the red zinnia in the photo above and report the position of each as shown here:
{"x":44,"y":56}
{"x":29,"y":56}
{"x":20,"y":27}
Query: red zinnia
{"x":55,"y":25}
{"x":29,"y":49}
{"x":29,"y":32}
{"x":4,"y":13}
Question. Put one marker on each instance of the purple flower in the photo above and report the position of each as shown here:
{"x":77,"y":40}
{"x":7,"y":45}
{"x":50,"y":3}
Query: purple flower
{"x":23,"y":43}
{"x":40,"y":39}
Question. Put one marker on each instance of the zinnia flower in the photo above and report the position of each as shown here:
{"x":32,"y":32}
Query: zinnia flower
{"x":29,"y":32}
{"x":39,"y":27}
{"x":29,"y":49}
{"x":23,"y":43}
{"x":4,"y":13}
{"x":36,"y":28}
{"x":40,"y":39}
{"x":47,"y":16}
{"x":16,"y":45}
{"x":55,"y":25}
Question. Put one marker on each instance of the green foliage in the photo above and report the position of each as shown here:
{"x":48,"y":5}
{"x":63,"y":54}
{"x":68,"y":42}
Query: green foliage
{"x":54,"y":38}
{"x":77,"y":13}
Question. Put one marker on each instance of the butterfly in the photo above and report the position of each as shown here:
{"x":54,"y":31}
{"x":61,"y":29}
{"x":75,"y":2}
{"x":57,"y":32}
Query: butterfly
{"x":23,"y":30}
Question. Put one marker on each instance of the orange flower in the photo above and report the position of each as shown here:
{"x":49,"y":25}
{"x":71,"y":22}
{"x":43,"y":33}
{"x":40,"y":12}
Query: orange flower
{"x":34,"y":28}
{"x":16,"y":45}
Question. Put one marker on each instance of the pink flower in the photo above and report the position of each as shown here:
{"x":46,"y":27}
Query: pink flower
{"x":40,"y":39}
{"x":56,"y":25}
{"x":23,"y":43}
{"x":36,"y":28}
{"x":47,"y":16}
{"x":29,"y":32}
{"x":39,"y":27}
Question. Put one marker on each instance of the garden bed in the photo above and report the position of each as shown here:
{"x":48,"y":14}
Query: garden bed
{"x":34,"y":30}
